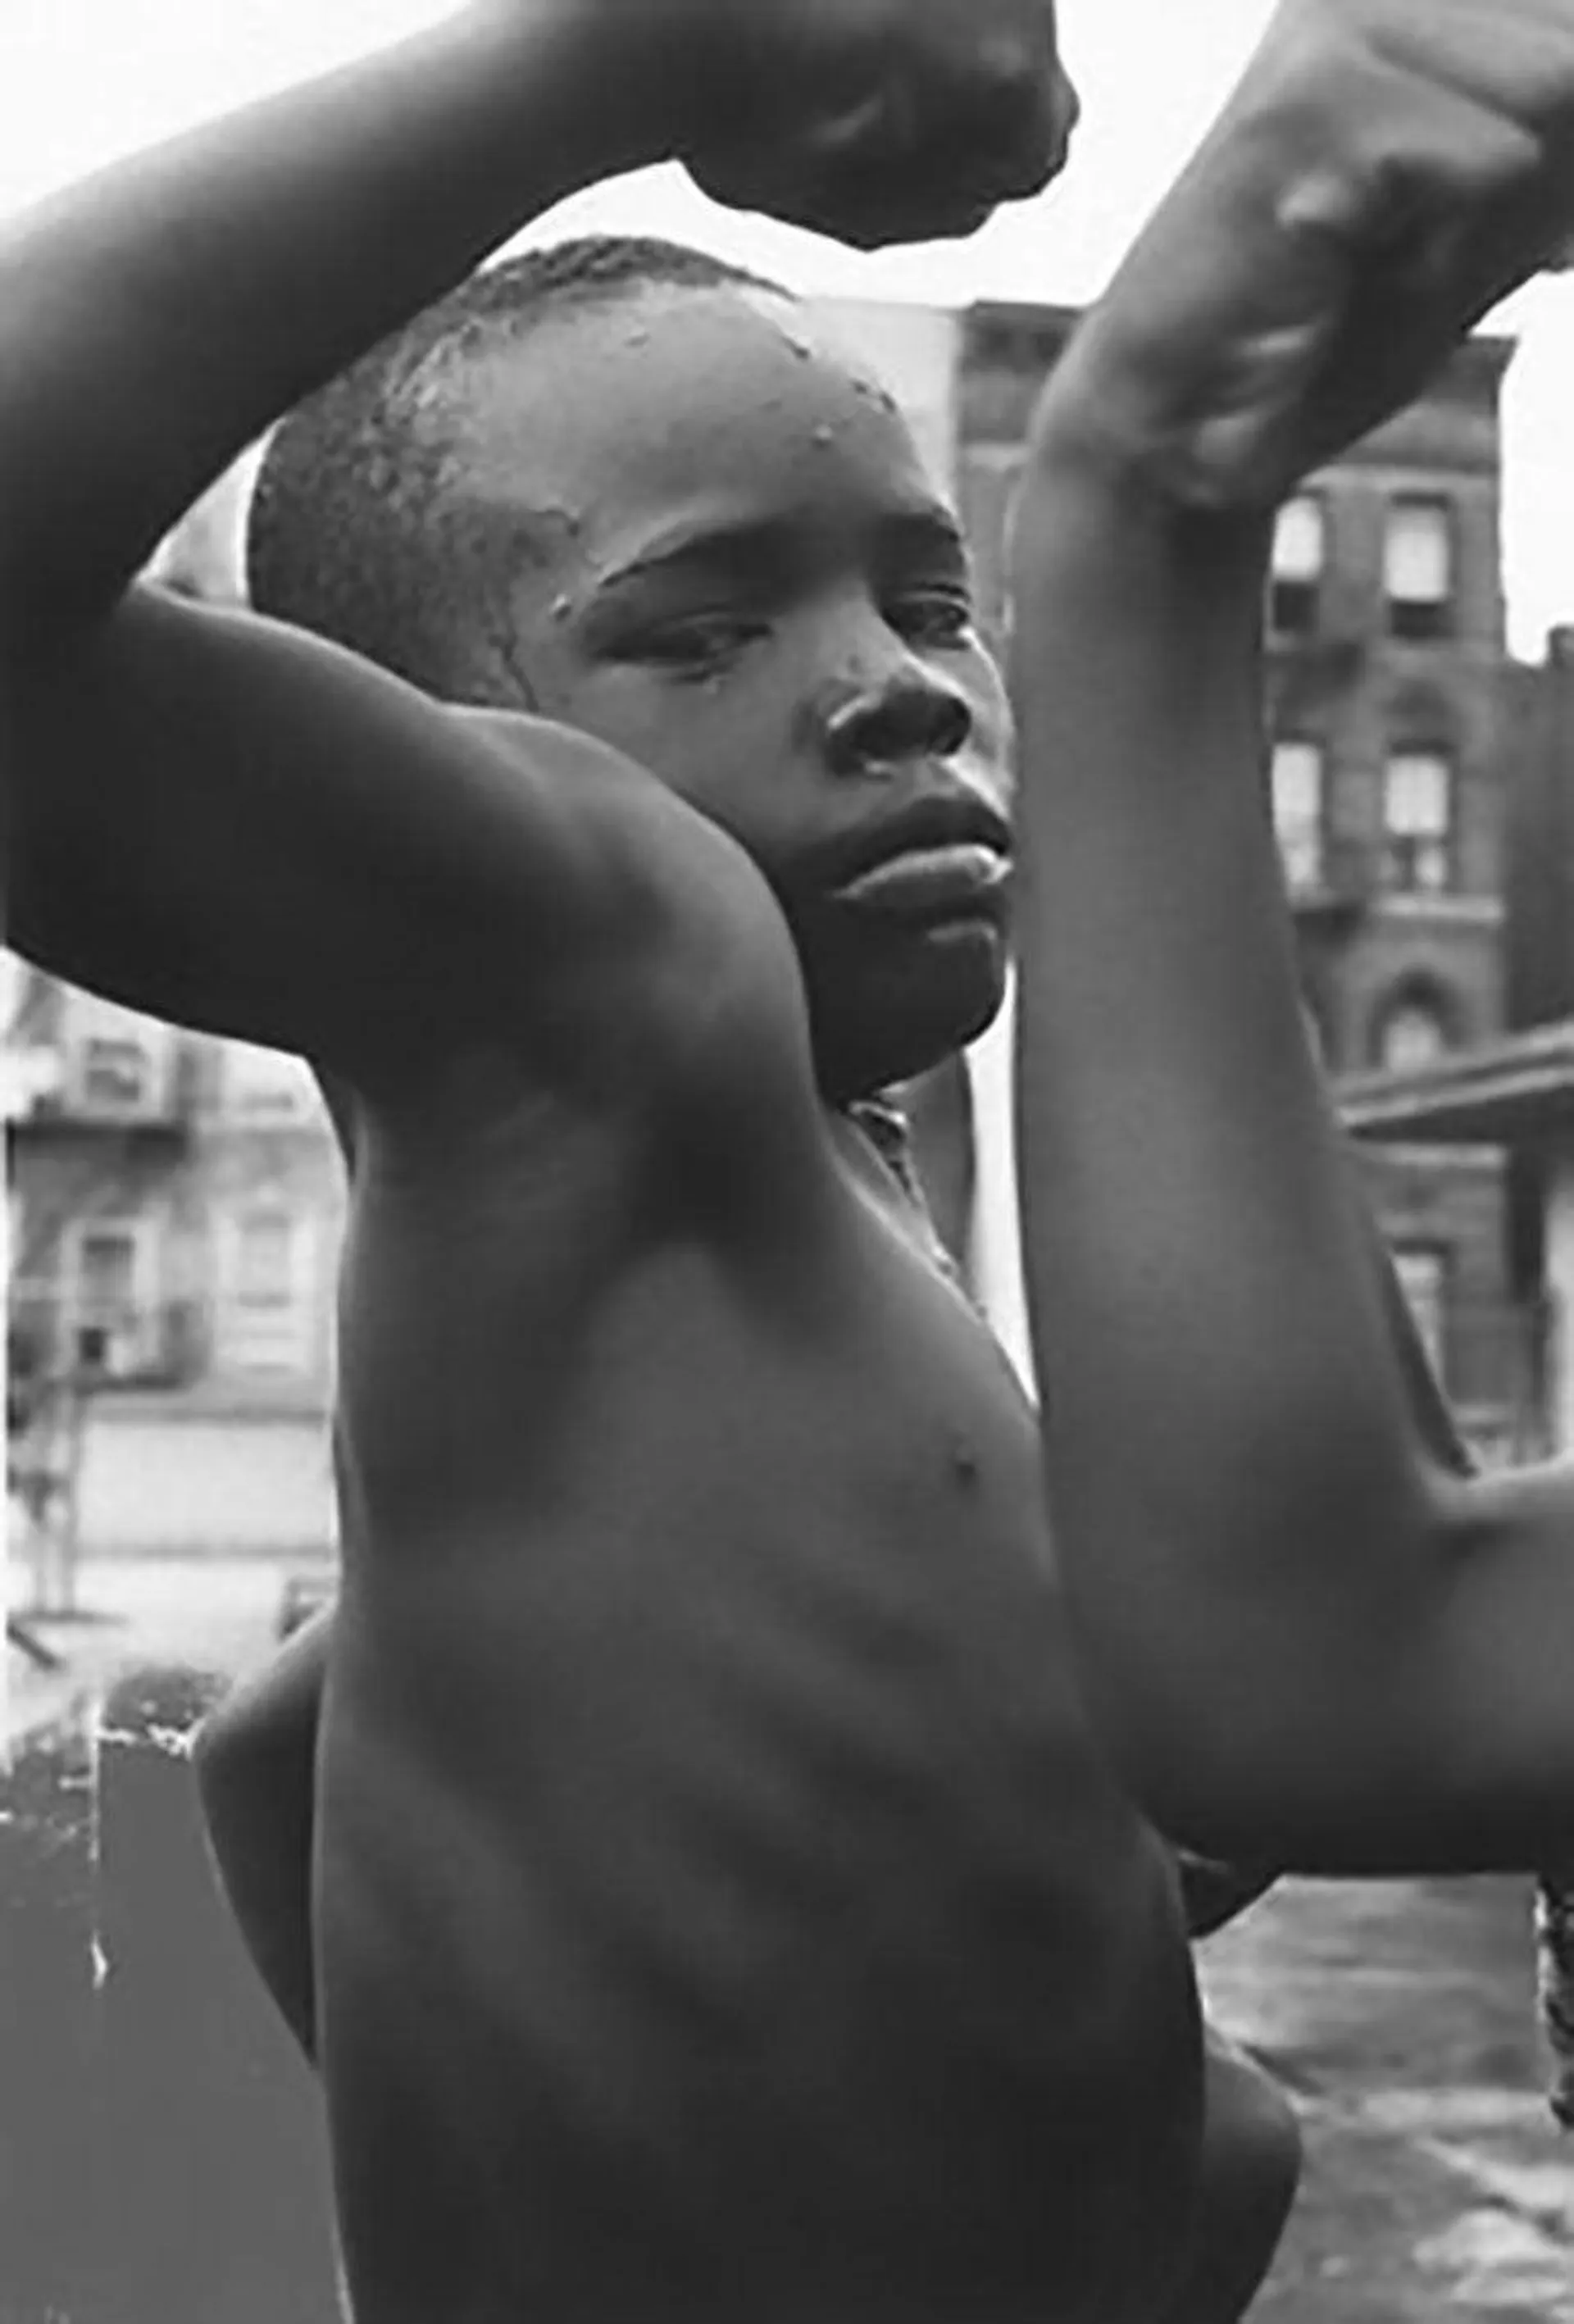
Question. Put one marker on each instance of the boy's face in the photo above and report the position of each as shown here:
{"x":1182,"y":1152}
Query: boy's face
{"x":739,"y":573}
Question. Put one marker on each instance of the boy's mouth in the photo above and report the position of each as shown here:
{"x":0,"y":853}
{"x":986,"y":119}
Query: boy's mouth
{"x":964,"y":879}
{"x":944,"y":854}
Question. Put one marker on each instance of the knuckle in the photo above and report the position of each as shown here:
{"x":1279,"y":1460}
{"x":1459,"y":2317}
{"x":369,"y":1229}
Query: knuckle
{"x":1006,"y":85}
{"x":1026,"y":118}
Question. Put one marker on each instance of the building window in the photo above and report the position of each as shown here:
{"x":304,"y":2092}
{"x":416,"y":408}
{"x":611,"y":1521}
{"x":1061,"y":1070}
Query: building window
{"x":1412,"y":1033}
{"x":1299,"y":783}
{"x":266,"y":1324}
{"x":1418,"y":822}
{"x":114,"y":1075}
{"x":118,"y":1062}
{"x":1422,"y":1270}
{"x":1296,"y":577}
{"x":1418,"y":569}
{"x":112,"y":1322}
{"x":263,"y":1087}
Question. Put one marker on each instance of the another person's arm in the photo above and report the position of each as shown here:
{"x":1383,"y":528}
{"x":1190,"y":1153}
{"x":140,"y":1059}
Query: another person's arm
{"x":255,"y":1756}
{"x":1311,"y":1637}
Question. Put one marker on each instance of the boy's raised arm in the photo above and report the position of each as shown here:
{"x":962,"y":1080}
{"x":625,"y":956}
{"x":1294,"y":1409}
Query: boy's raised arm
{"x":1313,"y":1637}
{"x":158,"y":316}
{"x":180,"y":786}
{"x":195,"y":818}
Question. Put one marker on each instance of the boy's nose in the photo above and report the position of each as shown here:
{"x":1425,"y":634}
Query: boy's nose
{"x":912,"y":714}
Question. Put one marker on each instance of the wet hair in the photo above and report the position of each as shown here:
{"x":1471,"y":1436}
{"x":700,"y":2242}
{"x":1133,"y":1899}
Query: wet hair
{"x":354,"y":530}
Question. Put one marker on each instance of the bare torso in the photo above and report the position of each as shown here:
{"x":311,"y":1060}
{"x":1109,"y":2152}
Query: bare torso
{"x":723,"y":1912}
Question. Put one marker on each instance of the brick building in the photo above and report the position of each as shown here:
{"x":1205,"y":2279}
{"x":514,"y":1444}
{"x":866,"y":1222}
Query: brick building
{"x":1390,"y":706}
{"x":1517,"y":1091}
{"x":1541,"y":834}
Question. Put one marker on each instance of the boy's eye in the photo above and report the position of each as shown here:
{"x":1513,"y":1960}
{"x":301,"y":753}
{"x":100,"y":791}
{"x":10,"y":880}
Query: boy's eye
{"x":697,"y":643}
{"x":933,"y":617}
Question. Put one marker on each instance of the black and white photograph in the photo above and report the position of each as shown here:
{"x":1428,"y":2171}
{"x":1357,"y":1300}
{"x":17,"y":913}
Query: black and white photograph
{"x":787,"y":1043}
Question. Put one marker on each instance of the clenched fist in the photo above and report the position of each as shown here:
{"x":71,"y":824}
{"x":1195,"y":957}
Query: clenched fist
{"x":877,"y":121}
{"x":1384,"y":172}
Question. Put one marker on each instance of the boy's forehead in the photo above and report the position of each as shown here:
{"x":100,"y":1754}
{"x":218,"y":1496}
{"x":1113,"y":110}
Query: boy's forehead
{"x":664,"y":389}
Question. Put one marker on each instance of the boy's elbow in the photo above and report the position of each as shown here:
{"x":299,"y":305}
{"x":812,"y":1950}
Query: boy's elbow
{"x":1255,"y":1781}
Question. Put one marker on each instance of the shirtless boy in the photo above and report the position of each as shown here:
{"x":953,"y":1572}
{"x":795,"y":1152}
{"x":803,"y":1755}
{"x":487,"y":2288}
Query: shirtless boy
{"x":721,"y":1903}
{"x":1308,"y":1625}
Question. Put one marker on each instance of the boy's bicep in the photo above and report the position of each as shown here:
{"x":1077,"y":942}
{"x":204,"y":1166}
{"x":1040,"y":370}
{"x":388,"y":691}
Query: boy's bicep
{"x":233,"y":826}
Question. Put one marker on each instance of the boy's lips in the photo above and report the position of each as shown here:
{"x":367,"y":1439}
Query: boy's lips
{"x":961,"y":879}
{"x":945,"y":854}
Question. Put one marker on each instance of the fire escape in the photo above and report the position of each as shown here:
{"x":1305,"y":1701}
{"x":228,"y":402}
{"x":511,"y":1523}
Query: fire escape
{"x":96,"y":1111}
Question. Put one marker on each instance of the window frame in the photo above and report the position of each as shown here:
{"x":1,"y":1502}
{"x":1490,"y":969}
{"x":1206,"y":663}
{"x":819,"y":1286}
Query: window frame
{"x":138,"y":1315}
{"x":1316,"y":828}
{"x":294,"y":1307}
{"x":1421,"y":617}
{"x":1294,"y":597}
{"x":1406,"y":845}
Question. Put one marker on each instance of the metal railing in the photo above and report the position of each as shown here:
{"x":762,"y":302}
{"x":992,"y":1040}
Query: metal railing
{"x":54,"y":1340}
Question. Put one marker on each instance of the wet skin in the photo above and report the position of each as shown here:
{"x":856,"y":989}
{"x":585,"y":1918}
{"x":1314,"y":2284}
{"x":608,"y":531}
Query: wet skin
{"x":724,"y":1908}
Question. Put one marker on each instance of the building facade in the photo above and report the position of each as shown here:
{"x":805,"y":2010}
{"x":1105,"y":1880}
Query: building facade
{"x":176,"y":1204}
{"x":1391,"y":710}
{"x":1516,"y":1091}
{"x":1540,"y":850}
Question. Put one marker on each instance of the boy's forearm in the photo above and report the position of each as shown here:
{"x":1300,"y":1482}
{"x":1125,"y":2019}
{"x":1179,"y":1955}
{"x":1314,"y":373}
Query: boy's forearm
{"x":1226,"y":1416}
{"x":161,"y":315}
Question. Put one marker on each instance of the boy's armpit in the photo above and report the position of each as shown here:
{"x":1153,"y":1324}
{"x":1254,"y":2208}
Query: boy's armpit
{"x":1215,"y":1893}
{"x":238,"y":827}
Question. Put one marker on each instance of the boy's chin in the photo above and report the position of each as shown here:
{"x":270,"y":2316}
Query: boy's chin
{"x":943,"y":997}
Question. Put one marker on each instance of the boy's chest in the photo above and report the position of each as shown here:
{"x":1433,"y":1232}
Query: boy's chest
{"x":786,"y":1575}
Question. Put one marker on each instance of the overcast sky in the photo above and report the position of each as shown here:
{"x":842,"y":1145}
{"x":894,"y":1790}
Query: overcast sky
{"x":82,"y":80}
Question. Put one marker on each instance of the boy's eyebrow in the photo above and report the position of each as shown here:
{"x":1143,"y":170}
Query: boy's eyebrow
{"x":753,"y":545}
{"x":930,"y":531}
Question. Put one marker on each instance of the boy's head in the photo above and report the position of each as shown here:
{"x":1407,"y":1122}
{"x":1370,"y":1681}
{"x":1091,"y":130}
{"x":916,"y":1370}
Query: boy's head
{"x":630,"y":488}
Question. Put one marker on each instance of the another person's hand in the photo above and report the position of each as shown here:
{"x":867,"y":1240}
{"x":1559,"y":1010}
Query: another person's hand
{"x":1384,"y":172}
{"x":877,"y":121}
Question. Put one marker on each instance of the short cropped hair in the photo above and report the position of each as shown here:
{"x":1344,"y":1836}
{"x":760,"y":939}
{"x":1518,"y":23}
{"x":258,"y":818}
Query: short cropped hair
{"x":354,"y":532}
